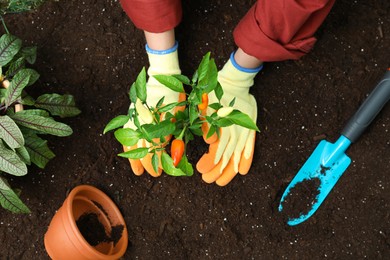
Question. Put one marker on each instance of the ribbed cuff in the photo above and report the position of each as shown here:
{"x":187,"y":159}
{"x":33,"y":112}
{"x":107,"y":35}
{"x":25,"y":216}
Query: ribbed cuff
{"x":162,"y":52}
{"x":247,"y":70}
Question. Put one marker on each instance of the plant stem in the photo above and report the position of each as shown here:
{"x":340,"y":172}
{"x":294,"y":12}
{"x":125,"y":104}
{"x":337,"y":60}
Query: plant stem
{"x":180,"y":137}
{"x":4,"y":25}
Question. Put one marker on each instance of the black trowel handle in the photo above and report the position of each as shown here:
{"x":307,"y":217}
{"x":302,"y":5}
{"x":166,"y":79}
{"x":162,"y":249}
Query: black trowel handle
{"x":369,"y":109}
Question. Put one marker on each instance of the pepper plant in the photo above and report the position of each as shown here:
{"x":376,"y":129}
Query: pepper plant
{"x":183,"y":126}
{"x":24,"y":119}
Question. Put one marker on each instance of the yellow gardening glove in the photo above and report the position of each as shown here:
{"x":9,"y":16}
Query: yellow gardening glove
{"x":161,"y":63}
{"x":232,"y":152}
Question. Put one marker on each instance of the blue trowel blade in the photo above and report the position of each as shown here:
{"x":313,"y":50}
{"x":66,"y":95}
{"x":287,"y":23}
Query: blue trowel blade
{"x":327,"y":163}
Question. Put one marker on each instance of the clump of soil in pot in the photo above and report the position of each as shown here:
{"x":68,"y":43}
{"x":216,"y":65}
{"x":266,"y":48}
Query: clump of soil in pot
{"x":94,"y":232}
{"x":301,"y":198}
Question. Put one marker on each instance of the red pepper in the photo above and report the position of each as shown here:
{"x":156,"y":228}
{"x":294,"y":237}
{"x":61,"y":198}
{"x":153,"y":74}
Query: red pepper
{"x":205,"y":102}
{"x":177,"y":151}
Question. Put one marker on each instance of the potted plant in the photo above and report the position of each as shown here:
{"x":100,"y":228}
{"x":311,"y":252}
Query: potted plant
{"x":87,"y":226}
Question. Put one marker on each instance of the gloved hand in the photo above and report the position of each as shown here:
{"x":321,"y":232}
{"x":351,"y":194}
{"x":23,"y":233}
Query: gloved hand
{"x":161,"y":63}
{"x":232,"y":152}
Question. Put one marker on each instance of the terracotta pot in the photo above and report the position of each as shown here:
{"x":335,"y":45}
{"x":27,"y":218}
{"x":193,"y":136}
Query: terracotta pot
{"x":63,"y":239}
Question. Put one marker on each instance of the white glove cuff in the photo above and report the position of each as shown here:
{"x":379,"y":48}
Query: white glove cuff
{"x":164,"y":62}
{"x":243,"y":69}
{"x":233,"y":77}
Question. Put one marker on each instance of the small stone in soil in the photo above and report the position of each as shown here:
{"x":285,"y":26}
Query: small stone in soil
{"x":301,"y":198}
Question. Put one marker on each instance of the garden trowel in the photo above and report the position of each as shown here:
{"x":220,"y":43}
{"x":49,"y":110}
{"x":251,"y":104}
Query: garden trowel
{"x":329,"y":161}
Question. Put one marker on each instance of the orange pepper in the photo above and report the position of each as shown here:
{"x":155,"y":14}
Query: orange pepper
{"x":205,"y":102}
{"x":177,"y":151}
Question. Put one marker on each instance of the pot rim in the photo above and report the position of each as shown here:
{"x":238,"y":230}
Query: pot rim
{"x":75,"y":193}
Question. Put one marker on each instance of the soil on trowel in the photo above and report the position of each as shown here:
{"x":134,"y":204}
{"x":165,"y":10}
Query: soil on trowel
{"x":301,"y":198}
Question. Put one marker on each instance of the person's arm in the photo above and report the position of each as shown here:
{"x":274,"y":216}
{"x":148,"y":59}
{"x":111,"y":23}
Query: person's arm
{"x":279,"y":30}
{"x":160,"y":41}
{"x":157,"y":19}
{"x":245,"y":60}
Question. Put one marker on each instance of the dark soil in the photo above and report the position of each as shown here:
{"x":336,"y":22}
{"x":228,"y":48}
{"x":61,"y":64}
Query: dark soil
{"x":94,"y":231}
{"x":301,"y":198}
{"x":91,"y":50}
{"x":324,"y":169}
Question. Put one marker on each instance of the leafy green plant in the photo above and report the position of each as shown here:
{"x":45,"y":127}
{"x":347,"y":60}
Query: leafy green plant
{"x":183,"y":125}
{"x":24,"y":119}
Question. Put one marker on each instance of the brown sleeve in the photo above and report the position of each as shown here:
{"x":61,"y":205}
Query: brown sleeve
{"x":276,"y":30}
{"x":153,"y":15}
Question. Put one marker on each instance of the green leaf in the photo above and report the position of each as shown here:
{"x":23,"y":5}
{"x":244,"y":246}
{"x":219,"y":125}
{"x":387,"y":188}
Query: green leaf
{"x":15,"y":66}
{"x":18,"y":83}
{"x":27,"y":99}
{"x":188,"y":136}
{"x":10,"y":200}
{"x":10,"y":162}
{"x":232,"y":102}
{"x":196,"y":129}
{"x":9,"y":47}
{"x":218,"y":91}
{"x":140,"y":85}
{"x":224,"y":122}
{"x":135,"y":153}
{"x":170,"y":82}
{"x":37,"y":112}
{"x":10,"y":132}
{"x":58,"y":105}
{"x":212,"y":130}
{"x":185,"y":166}
{"x":168,"y":167}
{"x":131,"y":113}
{"x":215,"y":106}
{"x":116,"y":122}
{"x":127,"y":136}
{"x":195,"y":97}
{"x":43,"y":124}
{"x":155,"y":162}
{"x":167,"y":107}
{"x":29,"y":53}
{"x":193,"y":112}
{"x":160,"y":102}
{"x":133,"y":93}
{"x":211,"y":81}
{"x":183,"y":79}
{"x":238,"y":118}
{"x":164,"y":128}
{"x":2,"y":94}
{"x":194,"y":77}
{"x":203,"y":67}
{"x":40,"y":154}
{"x":23,"y":154}
{"x":34,"y":76}
{"x":182,"y":103}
